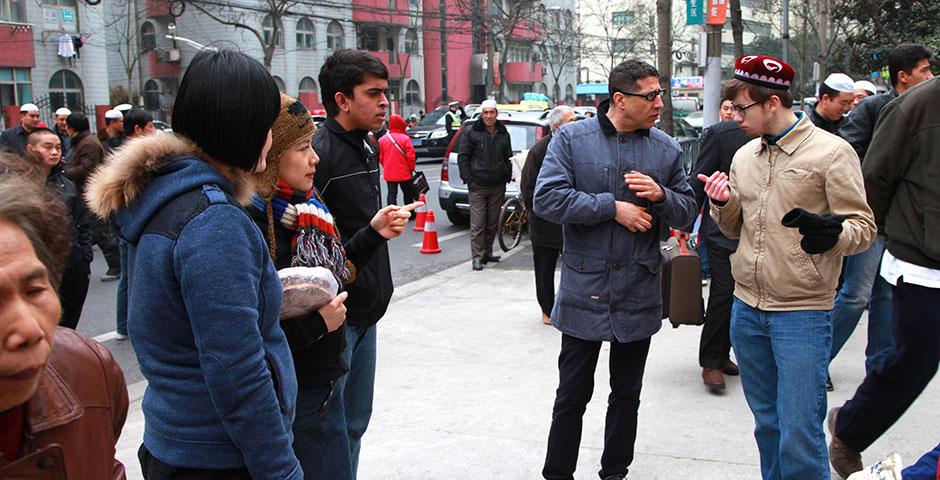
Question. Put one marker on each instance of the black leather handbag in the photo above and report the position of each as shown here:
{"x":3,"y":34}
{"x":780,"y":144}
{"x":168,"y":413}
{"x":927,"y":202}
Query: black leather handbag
{"x":418,"y":182}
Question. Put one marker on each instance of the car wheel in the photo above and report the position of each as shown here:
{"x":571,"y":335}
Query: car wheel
{"x":458,"y":218}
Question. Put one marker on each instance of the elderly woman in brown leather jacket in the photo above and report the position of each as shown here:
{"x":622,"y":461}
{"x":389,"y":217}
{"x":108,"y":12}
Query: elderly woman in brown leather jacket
{"x":62,"y":402}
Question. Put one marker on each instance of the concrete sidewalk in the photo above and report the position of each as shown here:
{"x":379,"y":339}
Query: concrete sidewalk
{"x":467,"y":376}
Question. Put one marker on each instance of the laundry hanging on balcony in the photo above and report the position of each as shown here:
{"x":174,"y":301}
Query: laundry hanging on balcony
{"x":69,"y":47}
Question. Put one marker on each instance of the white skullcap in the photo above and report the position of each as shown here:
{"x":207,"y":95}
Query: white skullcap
{"x":29,"y":107}
{"x":488,"y":103}
{"x":63,"y":111}
{"x":867,"y":86}
{"x":113,"y":115}
{"x":123,"y":107}
{"x":840,"y":82}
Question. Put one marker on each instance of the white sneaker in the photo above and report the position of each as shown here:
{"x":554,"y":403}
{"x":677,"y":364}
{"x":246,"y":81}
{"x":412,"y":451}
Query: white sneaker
{"x":120,"y":337}
{"x":887,"y":469}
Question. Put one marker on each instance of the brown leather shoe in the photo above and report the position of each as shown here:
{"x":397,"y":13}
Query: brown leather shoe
{"x":844,"y":460}
{"x":730,"y":368}
{"x":714,"y":380}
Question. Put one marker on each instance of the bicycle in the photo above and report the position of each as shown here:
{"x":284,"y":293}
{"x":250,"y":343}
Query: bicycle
{"x":513,"y":218}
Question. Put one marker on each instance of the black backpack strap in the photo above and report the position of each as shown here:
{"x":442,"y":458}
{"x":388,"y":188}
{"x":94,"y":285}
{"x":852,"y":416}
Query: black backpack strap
{"x":171,"y":219}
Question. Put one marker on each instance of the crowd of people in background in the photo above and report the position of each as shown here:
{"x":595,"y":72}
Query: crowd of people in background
{"x":808,"y":219}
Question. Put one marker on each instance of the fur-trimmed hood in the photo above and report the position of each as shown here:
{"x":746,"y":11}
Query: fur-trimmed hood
{"x":139,"y":178}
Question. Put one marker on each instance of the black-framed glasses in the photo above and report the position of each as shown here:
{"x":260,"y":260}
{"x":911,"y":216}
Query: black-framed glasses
{"x":742,"y":109}
{"x":649,"y":96}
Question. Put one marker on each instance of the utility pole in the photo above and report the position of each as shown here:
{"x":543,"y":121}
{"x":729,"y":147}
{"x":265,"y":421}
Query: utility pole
{"x":785,"y":31}
{"x":443,"y":17}
{"x":712,"y":75}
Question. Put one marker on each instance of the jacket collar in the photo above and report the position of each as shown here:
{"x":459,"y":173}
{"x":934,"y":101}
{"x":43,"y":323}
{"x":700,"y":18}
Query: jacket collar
{"x":479,"y":127}
{"x":53,"y":404}
{"x":131,"y":168}
{"x":608,"y":127}
{"x":357,"y":139}
{"x":791,"y":139}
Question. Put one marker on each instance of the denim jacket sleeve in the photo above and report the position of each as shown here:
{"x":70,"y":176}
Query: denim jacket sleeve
{"x":220,"y":260}
{"x":557,"y":200}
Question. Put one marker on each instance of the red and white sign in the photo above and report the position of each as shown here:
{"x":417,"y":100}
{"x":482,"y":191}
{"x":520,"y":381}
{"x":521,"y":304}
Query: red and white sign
{"x":717,"y":12}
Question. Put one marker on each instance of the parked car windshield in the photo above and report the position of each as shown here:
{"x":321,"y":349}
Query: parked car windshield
{"x":435,"y":117}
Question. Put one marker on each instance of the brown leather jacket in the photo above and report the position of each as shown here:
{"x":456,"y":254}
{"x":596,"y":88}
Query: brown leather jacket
{"x":75,"y":417}
{"x":87,"y":154}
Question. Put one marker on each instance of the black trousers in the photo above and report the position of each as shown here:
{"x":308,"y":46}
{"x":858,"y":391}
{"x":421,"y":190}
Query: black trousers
{"x":576,"y":365}
{"x":72,"y":293}
{"x":485,"y":203}
{"x":545,"y":259}
{"x":104,"y":237}
{"x":154,"y":469}
{"x":891,"y":388}
{"x":406,"y":193}
{"x":715,"y":345}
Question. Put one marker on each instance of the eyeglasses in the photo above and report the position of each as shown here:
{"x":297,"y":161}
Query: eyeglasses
{"x":742,"y":109}
{"x":650,"y":96}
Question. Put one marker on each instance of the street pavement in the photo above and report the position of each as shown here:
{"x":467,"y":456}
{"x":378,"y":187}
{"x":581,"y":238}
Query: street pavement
{"x":466,"y":378}
{"x":467,"y":374}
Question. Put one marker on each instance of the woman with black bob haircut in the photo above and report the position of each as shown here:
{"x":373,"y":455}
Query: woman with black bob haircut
{"x":203,"y":294}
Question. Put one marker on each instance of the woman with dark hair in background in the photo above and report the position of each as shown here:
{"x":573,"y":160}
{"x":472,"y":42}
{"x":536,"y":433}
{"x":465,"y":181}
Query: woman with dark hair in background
{"x":203,"y":294}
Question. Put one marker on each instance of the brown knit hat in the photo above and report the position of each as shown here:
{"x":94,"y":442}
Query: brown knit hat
{"x":293,"y":124}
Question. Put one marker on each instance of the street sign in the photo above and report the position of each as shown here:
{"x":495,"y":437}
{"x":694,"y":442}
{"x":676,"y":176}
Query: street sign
{"x":717,"y":12}
{"x":684,"y":83}
{"x":694,"y":12}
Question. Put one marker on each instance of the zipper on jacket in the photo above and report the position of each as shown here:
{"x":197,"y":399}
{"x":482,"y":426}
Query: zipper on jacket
{"x":762,"y":226}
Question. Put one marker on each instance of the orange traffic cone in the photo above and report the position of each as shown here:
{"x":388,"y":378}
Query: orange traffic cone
{"x":421,"y":212}
{"x":430,"y":235}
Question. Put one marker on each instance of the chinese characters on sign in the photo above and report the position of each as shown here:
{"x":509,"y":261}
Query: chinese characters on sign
{"x":717,"y":11}
{"x":694,"y":12}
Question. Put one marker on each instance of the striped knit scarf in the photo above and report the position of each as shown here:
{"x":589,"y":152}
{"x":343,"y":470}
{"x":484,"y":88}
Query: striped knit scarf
{"x":316,"y":242}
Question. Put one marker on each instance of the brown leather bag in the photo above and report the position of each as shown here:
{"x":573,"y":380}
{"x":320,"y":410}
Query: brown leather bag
{"x":682,"y":282}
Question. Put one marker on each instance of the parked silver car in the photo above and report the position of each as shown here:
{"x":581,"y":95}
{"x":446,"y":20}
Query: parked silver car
{"x":525,"y":128}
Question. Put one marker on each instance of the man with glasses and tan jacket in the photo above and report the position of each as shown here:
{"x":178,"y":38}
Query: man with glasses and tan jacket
{"x":796,"y":201}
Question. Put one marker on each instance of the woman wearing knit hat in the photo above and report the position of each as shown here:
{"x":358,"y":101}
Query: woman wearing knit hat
{"x":285,"y":200}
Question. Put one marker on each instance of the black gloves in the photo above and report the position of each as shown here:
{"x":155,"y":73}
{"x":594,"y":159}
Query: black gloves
{"x":820,"y":232}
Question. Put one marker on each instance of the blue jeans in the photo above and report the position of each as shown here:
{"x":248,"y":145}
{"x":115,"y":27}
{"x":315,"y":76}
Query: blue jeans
{"x":321,"y":441}
{"x":356,"y":388}
{"x":783,"y":358}
{"x":863,"y":287}
{"x":121,"y":308}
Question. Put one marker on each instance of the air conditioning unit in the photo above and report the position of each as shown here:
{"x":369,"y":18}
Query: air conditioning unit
{"x":167,"y":55}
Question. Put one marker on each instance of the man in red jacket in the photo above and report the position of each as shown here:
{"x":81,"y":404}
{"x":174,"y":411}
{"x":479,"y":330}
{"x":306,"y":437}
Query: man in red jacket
{"x":397,"y":156}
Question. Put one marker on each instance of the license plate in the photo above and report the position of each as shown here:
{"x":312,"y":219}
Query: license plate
{"x":415,"y":142}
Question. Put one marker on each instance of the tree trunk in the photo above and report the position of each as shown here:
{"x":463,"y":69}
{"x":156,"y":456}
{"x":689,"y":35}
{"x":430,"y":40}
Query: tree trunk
{"x":664,"y":59}
{"x":737,"y":28}
{"x":822,"y":28}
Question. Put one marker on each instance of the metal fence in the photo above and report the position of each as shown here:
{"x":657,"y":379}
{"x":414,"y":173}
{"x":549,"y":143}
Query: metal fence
{"x":50,"y":103}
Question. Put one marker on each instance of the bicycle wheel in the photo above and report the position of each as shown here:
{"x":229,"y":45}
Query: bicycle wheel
{"x":509,"y":229}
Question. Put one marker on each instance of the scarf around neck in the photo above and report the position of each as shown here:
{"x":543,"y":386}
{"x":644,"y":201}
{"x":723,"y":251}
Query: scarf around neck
{"x":316,"y":241}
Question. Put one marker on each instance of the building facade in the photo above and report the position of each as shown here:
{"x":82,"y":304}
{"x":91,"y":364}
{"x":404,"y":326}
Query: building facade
{"x":135,"y":51}
{"x":52,"y":54}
